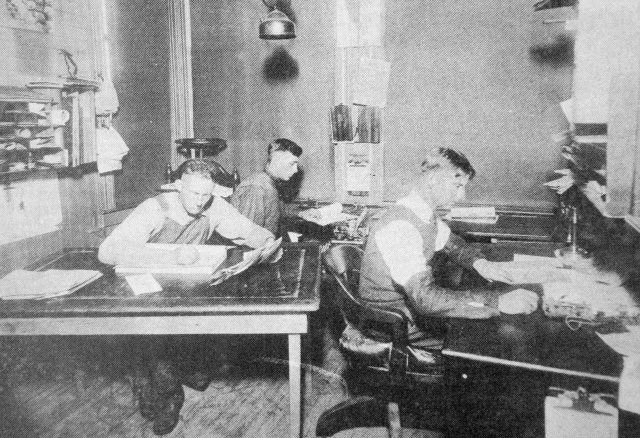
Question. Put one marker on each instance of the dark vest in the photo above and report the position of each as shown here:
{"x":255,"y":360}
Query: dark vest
{"x":376,"y":284}
{"x":195,"y":232}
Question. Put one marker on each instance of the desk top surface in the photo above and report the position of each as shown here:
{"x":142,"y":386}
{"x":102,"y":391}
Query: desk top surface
{"x":289,"y":286}
{"x":511,"y":227}
{"x":532,"y":341}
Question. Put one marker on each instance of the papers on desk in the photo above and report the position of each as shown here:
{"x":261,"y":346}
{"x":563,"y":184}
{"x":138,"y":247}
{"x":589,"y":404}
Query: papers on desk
{"x":626,"y":344}
{"x":534,"y":272}
{"x":478,"y":215}
{"x":326,"y":215}
{"x":210,"y":259}
{"x":22,"y":285}
{"x":249,"y":259}
{"x":143,"y":284}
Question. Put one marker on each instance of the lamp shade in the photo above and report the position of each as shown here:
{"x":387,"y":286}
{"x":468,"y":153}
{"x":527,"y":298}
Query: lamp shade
{"x":277,"y":26}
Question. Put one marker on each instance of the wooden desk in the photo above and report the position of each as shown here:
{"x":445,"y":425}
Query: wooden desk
{"x":511,"y":361}
{"x":535,"y":341}
{"x":267,"y":299}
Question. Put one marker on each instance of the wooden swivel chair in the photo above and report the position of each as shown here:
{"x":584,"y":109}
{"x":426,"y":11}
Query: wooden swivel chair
{"x":390,"y":369}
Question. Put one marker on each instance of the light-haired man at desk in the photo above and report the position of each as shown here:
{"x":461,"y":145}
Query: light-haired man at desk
{"x":396,"y":268}
{"x":186,"y":216}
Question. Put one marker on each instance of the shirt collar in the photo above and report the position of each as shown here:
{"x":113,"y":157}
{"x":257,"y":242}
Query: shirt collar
{"x":414,"y":202}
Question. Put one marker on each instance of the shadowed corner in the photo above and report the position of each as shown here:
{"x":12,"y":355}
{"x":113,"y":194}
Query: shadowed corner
{"x":280,"y":67}
{"x":558,"y":54}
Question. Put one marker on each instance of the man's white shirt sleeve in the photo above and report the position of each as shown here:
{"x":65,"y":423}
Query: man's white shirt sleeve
{"x":400,"y":244}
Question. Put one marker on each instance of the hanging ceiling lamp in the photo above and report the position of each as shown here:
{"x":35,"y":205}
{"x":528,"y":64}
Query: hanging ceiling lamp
{"x":276,"y":26}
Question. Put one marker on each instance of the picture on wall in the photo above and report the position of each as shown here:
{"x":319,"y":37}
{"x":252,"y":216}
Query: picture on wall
{"x":35,"y":15}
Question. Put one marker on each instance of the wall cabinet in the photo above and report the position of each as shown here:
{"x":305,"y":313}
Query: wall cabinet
{"x":46,"y":126}
{"x":28,"y":137}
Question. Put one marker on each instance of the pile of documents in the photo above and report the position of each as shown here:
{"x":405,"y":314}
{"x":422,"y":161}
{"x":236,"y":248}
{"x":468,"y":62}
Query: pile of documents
{"x":327,"y":215}
{"x":23,"y":285}
{"x":268,"y":253}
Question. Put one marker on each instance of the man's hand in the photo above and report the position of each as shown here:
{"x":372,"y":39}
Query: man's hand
{"x":492,"y":271}
{"x":186,"y":255}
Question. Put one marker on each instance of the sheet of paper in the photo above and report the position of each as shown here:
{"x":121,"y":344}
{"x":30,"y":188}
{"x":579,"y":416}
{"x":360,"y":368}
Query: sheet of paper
{"x":610,"y":301}
{"x":143,"y":284}
{"x":249,"y":259}
{"x":372,"y":82}
{"x":567,"y":109}
{"x":326,"y":215}
{"x":346,"y":29}
{"x":628,"y":396}
{"x":269,"y":251}
{"x":550,"y":261}
{"x":358,"y":172}
{"x":371,"y":23}
{"x":530,"y":272}
{"x":473,"y":212}
{"x":626,"y":344}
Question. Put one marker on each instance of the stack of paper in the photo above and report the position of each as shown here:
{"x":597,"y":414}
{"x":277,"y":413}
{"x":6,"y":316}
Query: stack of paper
{"x":249,"y":259}
{"x":210,"y":258}
{"x":22,"y":285}
{"x":326,"y":215}
{"x":482,"y":215}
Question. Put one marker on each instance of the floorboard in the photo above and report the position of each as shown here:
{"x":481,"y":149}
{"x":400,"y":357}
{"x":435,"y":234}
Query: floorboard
{"x":57,"y":388}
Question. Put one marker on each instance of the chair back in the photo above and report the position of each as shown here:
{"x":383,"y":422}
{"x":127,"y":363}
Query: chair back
{"x":343,"y":263}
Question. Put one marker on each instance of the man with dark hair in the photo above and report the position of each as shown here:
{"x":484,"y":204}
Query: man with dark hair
{"x":396,"y":269}
{"x":257,"y":197}
{"x":187,"y":216}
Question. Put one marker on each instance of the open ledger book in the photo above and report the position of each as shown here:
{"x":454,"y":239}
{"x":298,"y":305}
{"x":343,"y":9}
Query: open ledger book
{"x":250,"y":258}
{"x":210,"y":258}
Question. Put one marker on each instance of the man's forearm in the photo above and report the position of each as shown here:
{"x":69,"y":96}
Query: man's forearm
{"x":429,"y":299}
{"x":461,"y":252}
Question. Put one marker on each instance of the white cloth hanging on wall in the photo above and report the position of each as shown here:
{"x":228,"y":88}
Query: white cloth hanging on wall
{"x":107,"y":99}
{"x":111,"y":148}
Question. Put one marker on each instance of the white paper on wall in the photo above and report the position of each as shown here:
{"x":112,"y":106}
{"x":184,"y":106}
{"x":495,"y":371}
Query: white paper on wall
{"x":358,"y":178}
{"x":371,"y":23}
{"x":346,"y":29}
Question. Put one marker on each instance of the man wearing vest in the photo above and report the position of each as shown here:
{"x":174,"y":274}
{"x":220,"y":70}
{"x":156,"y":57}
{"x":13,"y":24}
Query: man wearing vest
{"x":396,"y":269}
{"x":187,"y":216}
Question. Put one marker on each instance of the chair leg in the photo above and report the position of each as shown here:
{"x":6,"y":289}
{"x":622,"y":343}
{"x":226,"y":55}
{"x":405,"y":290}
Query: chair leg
{"x":393,"y":415}
{"x":362,"y":411}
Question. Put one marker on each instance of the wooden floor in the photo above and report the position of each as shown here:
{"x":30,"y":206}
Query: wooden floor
{"x":74,"y":388}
